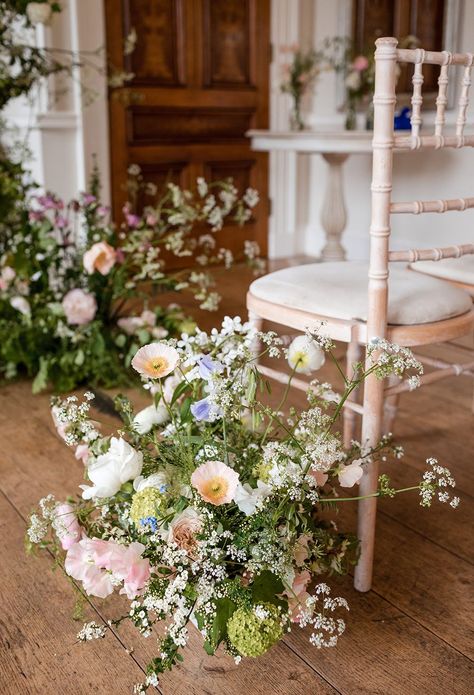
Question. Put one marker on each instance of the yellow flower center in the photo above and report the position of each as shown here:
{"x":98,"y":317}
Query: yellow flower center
{"x":215,"y":488}
{"x":300,"y":359}
{"x":157,"y":366}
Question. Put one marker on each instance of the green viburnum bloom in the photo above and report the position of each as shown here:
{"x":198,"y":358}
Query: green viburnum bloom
{"x":145,"y":504}
{"x":252,"y":631}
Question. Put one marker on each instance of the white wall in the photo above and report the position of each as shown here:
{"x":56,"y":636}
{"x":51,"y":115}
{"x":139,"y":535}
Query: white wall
{"x":421,"y":175}
{"x":60,"y":131}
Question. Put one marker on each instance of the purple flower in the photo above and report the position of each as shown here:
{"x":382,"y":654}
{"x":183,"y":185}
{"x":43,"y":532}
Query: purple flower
{"x":132,"y":220}
{"x":88,"y":198}
{"x":208,"y":366}
{"x":201,"y":410}
{"x":46,"y":201}
{"x":61,"y":222}
{"x":205,"y":411}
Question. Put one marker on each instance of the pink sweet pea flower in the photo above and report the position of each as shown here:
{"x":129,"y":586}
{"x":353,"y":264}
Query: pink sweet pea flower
{"x":319,"y":476}
{"x":125,"y":563}
{"x":300,"y":553}
{"x":66,"y":525}
{"x":351,"y":474}
{"x":297,"y":595}
{"x":80,"y":564}
{"x":82,"y":453}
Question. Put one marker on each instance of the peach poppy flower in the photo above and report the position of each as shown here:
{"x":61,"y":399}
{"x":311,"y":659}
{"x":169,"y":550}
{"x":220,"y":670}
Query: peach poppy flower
{"x":155,"y":360}
{"x":101,"y":257}
{"x":216,"y":482}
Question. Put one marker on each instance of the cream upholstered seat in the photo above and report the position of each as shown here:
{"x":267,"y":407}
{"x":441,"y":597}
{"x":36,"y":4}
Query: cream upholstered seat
{"x":339,"y":290}
{"x":457,"y":270}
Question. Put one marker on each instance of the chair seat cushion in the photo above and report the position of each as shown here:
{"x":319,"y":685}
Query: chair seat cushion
{"x":454,"y":269}
{"x":339,"y":290}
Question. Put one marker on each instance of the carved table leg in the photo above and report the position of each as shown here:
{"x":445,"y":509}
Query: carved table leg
{"x":333,"y":213}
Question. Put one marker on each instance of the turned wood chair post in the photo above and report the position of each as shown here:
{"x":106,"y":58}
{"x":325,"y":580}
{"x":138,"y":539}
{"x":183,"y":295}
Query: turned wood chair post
{"x":384,"y":106}
{"x":350,"y":417}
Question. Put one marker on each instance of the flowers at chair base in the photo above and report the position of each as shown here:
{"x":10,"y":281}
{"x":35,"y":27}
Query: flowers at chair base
{"x":218,"y":521}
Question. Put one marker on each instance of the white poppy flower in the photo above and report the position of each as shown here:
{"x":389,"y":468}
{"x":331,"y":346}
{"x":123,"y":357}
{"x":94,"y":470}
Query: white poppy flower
{"x":304,"y":355}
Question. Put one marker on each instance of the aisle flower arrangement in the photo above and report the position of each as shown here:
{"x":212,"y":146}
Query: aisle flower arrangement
{"x":68,"y":274}
{"x":206,"y":506}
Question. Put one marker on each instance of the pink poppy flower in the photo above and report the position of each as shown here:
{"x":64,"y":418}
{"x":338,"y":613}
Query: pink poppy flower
{"x":100,"y":257}
{"x":216,"y":482}
{"x":155,"y":360}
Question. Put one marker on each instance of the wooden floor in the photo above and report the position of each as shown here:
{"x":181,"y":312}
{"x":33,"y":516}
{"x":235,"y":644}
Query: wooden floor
{"x":411,"y":634}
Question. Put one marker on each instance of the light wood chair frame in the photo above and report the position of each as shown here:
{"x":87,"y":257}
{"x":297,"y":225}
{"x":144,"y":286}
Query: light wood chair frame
{"x":378,"y":396}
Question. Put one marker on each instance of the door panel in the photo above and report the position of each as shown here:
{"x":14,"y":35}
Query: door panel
{"x":201,"y":71}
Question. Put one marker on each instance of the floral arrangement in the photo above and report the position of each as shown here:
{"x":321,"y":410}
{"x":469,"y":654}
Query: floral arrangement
{"x":67,"y":276}
{"x":299,"y":77}
{"x":205,"y":507}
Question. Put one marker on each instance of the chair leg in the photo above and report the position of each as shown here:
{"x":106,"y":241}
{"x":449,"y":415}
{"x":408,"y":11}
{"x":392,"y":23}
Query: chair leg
{"x":367,"y":512}
{"x":257,"y":323}
{"x":353,"y":354}
{"x":390,"y":406}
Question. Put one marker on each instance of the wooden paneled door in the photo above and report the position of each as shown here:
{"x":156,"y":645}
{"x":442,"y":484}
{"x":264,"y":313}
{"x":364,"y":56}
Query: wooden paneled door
{"x":201,"y":71}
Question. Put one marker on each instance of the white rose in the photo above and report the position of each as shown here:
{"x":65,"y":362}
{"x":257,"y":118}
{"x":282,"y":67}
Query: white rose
{"x":21,"y":304}
{"x":247,"y":499}
{"x":147,"y":418}
{"x":38,"y":12}
{"x":79,"y":307}
{"x":304,"y":355}
{"x":351,"y":474}
{"x":109,"y":471}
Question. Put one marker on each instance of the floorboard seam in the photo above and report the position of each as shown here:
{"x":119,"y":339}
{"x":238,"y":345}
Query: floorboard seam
{"x":424,"y":627}
{"x":422,"y":535}
{"x":311,"y":666}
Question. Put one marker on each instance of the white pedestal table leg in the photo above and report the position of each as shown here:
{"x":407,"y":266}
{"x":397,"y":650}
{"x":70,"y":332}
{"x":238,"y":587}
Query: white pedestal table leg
{"x":333,"y":212}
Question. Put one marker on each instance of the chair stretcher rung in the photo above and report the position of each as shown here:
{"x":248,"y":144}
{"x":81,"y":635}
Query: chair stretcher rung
{"x":413,"y":255}
{"x":416,"y":207}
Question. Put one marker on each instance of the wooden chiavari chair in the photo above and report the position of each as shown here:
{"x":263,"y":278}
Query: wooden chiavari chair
{"x":358,"y":301}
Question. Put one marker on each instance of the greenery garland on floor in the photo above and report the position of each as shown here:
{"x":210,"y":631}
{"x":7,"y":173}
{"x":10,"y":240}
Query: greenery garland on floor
{"x":68,"y":274}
